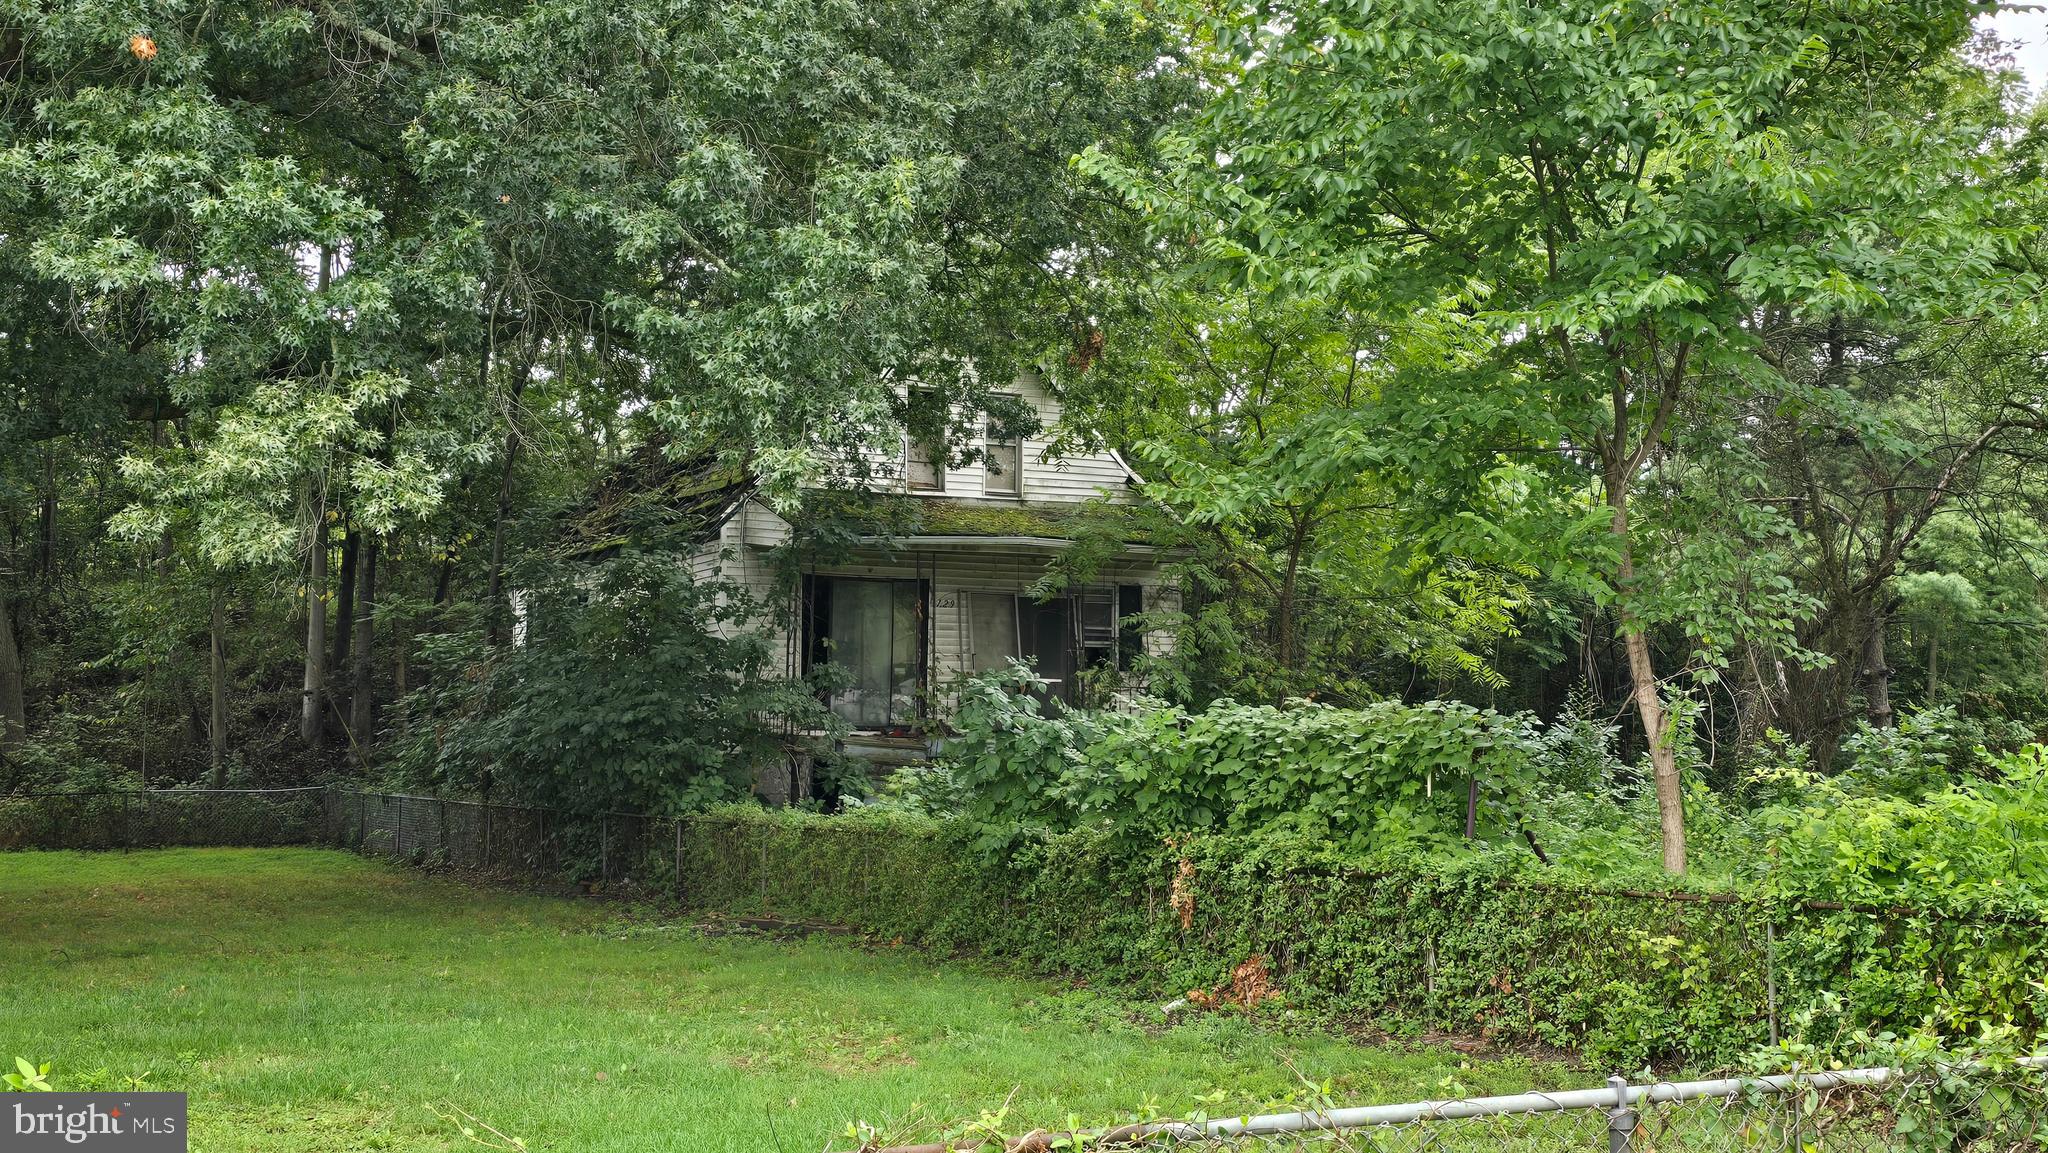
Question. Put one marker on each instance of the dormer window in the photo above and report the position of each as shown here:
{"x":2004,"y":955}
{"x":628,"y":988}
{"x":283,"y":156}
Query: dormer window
{"x":1002,"y":466}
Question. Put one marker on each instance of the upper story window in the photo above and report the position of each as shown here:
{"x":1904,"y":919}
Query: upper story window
{"x":1002,"y":465}
{"x":924,"y":445}
{"x":924,"y":466}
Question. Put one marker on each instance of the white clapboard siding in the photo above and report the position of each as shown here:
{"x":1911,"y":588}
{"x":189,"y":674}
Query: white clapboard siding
{"x":1071,"y":478}
{"x":741,"y":550}
{"x":1074,"y":478}
{"x":953,"y":573}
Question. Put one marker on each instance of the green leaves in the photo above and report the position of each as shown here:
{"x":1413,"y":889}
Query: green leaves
{"x":28,"y":1077}
{"x":636,"y":689}
{"x":1374,"y":780}
{"x":784,"y":208}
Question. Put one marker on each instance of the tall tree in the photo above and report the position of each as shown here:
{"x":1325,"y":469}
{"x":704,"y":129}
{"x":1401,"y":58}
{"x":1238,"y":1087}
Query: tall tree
{"x":1244,"y":414}
{"x":1611,"y":193}
{"x":672,"y":183}
{"x":1881,"y":432}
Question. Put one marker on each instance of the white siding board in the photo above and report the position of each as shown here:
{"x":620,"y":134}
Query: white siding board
{"x":1066,"y":479}
{"x":742,"y":549}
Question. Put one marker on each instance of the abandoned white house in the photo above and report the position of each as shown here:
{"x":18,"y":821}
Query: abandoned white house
{"x":942,"y":586}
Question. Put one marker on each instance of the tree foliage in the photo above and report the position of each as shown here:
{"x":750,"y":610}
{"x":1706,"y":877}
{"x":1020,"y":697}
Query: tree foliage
{"x":1565,"y":359}
{"x":634,"y":689}
{"x":1611,"y":202}
{"x":312,"y":318}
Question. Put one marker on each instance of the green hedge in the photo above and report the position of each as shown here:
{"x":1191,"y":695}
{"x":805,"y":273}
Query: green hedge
{"x":1471,"y":946}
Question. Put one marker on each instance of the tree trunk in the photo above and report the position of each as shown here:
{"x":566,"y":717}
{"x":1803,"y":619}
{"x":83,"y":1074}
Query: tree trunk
{"x":362,"y":697}
{"x":345,"y":597}
{"x":314,"y":702}
{"x":1933,"y":669}
{"x":447,"y":573}
{"x":494,"y":608}
{"x":1663,"y":754}
{"x":1283,"y":613}
{"x":401,"y":650}
{"x":1877,"y":677}
{"x":1643,"y":688}
{"x":13,"y":699}
{"x":217,"y":681}
{"x":46,"y":529}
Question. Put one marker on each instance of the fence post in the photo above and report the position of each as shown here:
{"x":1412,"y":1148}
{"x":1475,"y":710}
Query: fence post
{"x":679,"y":859}
{"x":1771,"y":974}
{"x":445,"y":854}
{"x":1621,"y":1120}
{"x":604,"y":847}
{"x":487,"y":836}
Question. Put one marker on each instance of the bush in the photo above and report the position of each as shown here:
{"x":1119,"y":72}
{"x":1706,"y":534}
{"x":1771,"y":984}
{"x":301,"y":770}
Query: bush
{"x":1384,"y":777}
{"x":65,"y":754}
{"x":1926,"y":751}
{"x":1978,"y":844}
{"x":637,"y":689}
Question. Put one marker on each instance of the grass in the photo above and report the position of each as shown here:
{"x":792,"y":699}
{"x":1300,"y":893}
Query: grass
{"x":312,"y":1000}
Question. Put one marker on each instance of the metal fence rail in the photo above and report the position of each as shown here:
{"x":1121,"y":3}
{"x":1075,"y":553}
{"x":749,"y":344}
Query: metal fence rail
{"x":1852,"y":1110}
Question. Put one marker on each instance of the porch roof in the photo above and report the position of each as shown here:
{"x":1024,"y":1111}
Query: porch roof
{"x":937,"y":521}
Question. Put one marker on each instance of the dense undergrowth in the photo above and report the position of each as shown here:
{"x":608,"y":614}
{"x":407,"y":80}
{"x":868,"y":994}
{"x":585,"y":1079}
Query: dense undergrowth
{"x":1444,"y":868}
{"x":1937,"y":813}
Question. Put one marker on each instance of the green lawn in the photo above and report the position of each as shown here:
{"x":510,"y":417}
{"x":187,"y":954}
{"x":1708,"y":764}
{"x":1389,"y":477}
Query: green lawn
{"x":312,"y":1000}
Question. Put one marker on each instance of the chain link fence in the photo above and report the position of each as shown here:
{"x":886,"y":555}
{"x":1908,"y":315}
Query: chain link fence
{"x":615,"y":849}
{"x":625,"y":850}
{"x":1951,"y":1109}
{"x":163,"y":818}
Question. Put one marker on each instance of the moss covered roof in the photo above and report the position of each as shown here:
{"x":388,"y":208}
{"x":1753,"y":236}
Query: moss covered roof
{"x":653,"y":497}
{"x":888,"y":514}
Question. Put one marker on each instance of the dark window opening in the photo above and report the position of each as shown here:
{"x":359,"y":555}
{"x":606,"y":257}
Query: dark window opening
{"x":1061,"y":639}
{"x":873,"y":632}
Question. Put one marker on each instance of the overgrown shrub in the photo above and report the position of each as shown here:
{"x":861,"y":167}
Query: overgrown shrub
{"x":1916,"y":818}
{"x":1383,"y":777}
{"x":1926,"y":751}
{"x":64,"y":755}
{"x":1977,"y":843}
{"x":635,"y":688}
